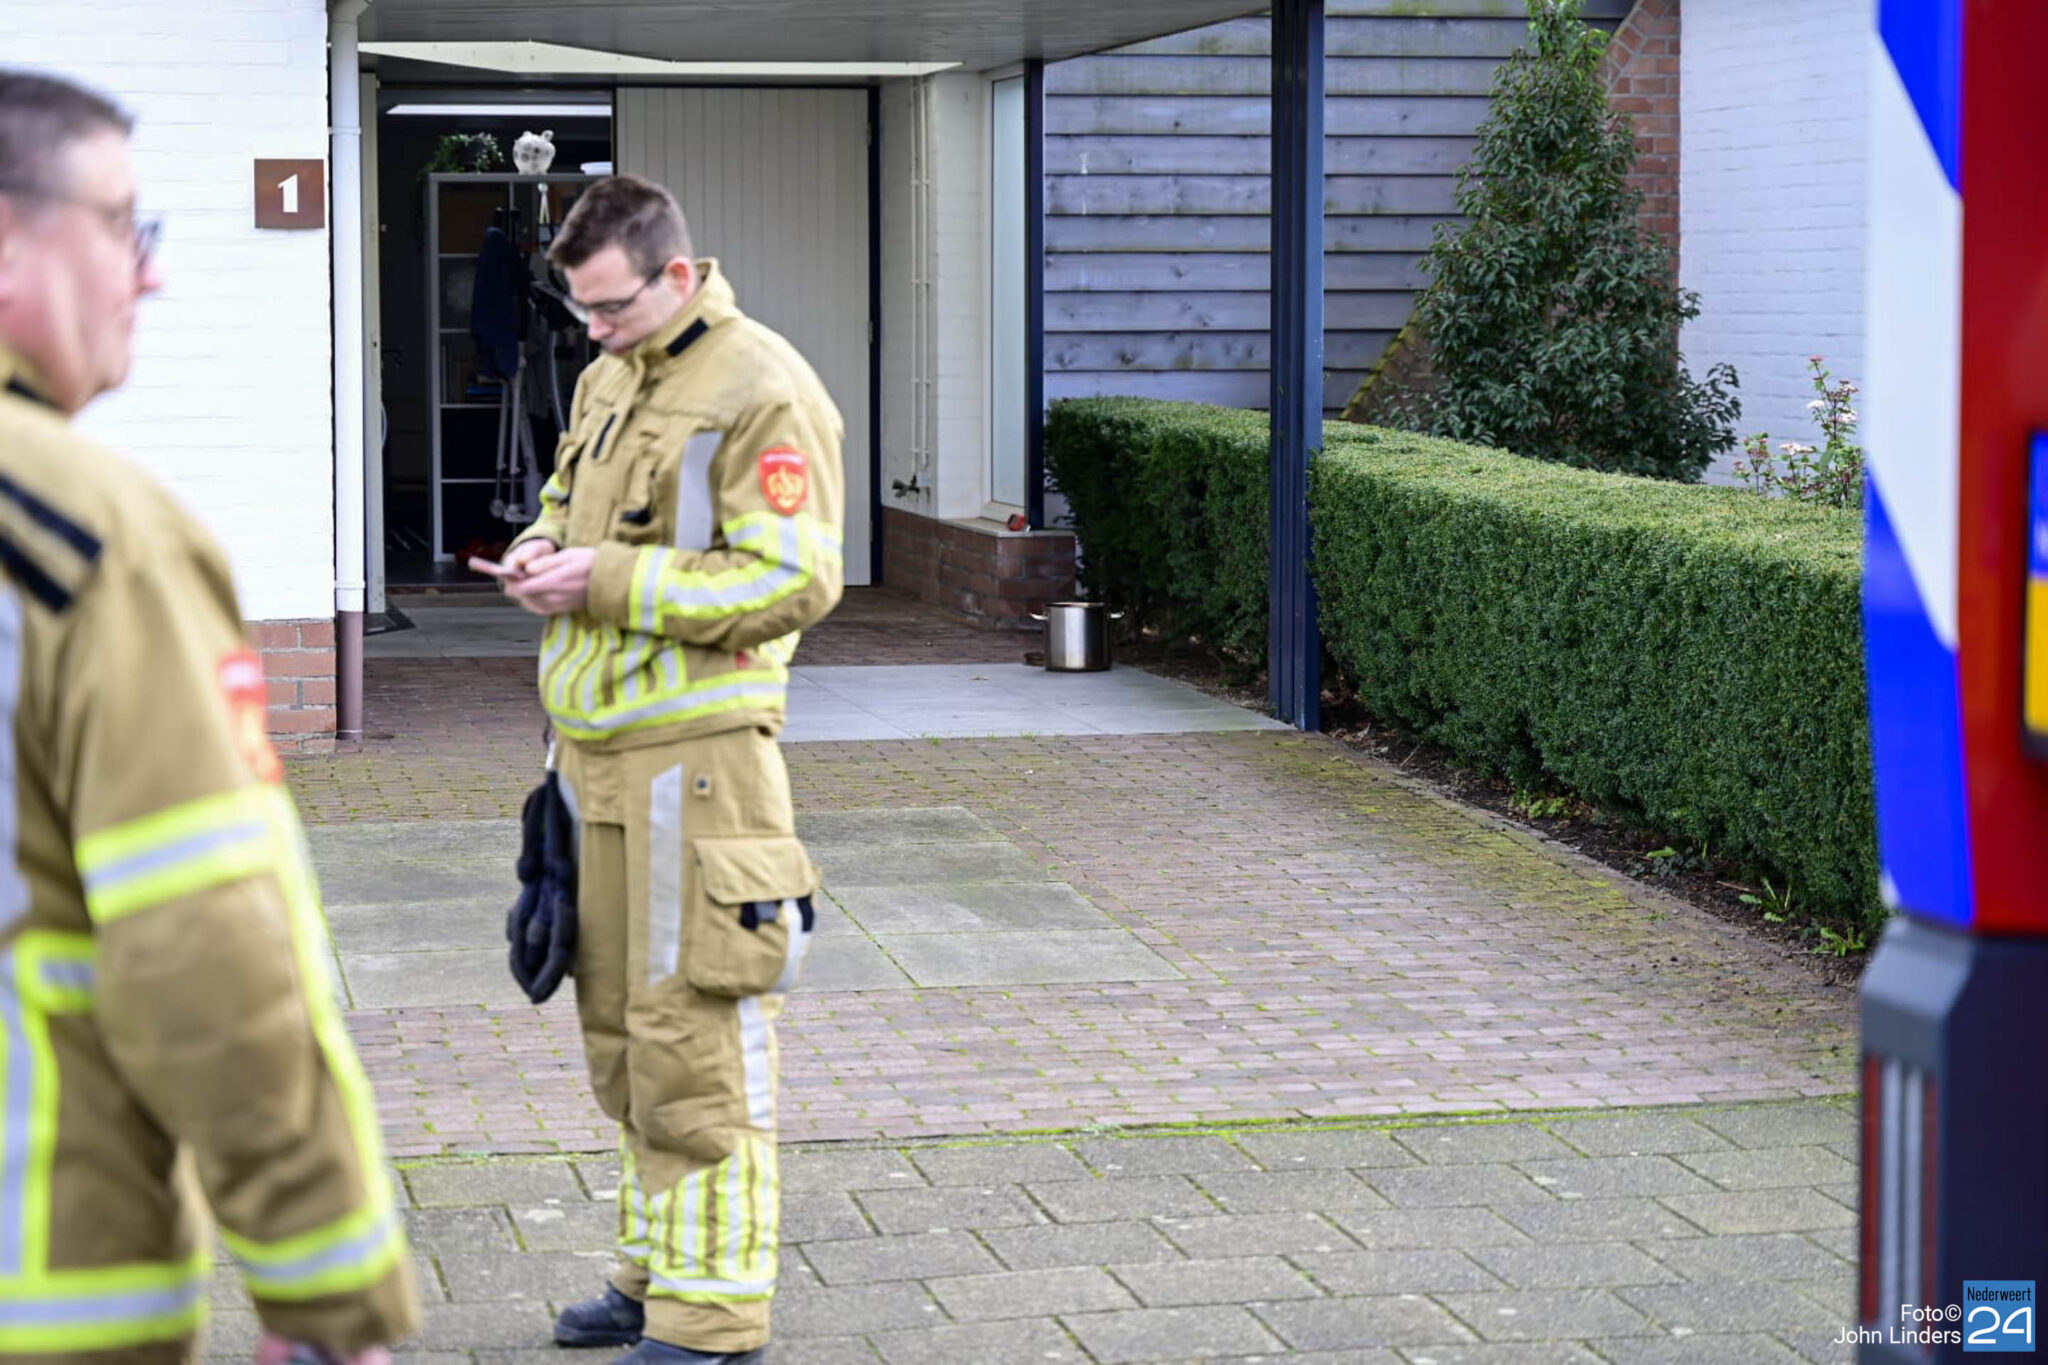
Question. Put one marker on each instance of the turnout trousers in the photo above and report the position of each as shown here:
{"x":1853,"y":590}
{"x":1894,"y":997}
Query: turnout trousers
{"x":695,"y":911}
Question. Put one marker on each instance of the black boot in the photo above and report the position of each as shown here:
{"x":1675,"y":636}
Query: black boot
{"x":613,"y":1320}
{"x":652,"y":1352}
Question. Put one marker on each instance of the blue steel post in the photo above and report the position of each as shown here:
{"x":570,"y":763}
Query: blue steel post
{"x":1034,"y":293}
{"x":1294,"y":646}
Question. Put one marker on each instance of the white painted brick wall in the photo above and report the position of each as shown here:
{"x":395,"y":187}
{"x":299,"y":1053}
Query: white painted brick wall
{"x":229,"y":400}
{"x":901,"y":391}
{"x":956,"y":223}
{"x":1773,"y":178}
{"x":959,"y":223}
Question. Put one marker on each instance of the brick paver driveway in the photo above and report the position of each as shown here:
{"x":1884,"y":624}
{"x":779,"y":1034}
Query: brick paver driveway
{"x":1334,"y":945}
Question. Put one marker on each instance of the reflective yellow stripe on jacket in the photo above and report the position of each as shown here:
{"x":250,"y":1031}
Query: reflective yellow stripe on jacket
{"x":42,"y":1311}
{"x":598,"y":680}
{"x":179,"y":851}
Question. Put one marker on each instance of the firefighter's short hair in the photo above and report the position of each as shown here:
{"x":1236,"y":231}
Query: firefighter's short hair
{"x":41,"y":117}
{"x":637,"y":216}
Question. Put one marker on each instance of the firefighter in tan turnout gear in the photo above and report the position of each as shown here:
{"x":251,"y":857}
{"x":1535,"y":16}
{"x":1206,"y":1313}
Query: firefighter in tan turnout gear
{"x":168,"y":1036}
{"x":691,"y":529}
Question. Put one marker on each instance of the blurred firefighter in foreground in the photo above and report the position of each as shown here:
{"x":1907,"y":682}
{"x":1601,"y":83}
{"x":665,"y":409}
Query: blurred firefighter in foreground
{"x":169,"y":1039}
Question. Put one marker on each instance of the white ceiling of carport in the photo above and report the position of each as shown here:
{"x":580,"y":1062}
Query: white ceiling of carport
{"x":978,"y":34}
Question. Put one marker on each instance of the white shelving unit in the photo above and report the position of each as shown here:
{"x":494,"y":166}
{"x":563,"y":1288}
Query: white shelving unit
{"x":463,"y":429}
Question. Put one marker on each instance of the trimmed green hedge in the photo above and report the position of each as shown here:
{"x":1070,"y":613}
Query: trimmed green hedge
{"x":1691,"y":655}
{"x":1172,"y":505}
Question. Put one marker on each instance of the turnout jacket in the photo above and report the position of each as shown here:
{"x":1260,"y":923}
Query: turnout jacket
{"x":704,"y":467}
{"x":169,"y":1037}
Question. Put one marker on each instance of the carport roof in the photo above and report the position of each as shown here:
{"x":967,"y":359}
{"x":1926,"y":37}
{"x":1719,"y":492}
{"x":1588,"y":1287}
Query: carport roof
{"x":978,"y":34}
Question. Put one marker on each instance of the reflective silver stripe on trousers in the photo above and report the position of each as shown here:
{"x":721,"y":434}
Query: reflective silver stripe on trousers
{"x":665,"y":876}
{"x":757,"y":1064}
{"x":13,"y":886}
{"x":799,"y":940}
{"x":722,"y":1289}
{"x":694,"y":520}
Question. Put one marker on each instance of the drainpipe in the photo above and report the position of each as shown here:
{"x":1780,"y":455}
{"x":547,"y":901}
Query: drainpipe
{"x":345,"y":232}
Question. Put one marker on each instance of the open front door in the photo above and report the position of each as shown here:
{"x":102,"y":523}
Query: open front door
{"x":775,"y":185}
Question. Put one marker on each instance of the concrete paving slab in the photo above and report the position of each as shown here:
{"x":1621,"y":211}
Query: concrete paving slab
{"x":1031,"y":1342}
{"x":1379,"y":1273}
{"x":420,"y":926}
{"x":943,"y":1210}
{"x":824,"y":1216}
{"x":1638,"y":1134}
{"x":1600,"y":1220}
{"x":515,"y":1182}
{"x":1164,"y":1334}
{"x":1031,"y":1293}
{"x":1255,"y":1234}
{"x":994,"y":700}
{"x":995,"y":1163}
{"x":413,"y":840}
{"x":1503,"y":1353}
{"x":1233,"y":1279}
{"x":903,"y":864}
{"x":1278,"y":1191}
{"x":471,"y":976}
{"x":1547,"y":1314}
{"x":1817,"y":1123}
{"x":850,"y":961}
{"x":813,"y":1170}
{"x":1585,"y":1265}
{"x":1462,"y":1143}
{"x":917,"y":1256}
{"x":1140,"y":1155}
{"x":1775,"y":1257}
{"x":1698,"y":1309}
{"x":1038,"y":959}
{"x":917,"y":825}
{"x":966,"y":907}
{"x":1720,"y":1348}
{"x":1349,"y":1324}
{"x":1773,"y":1168}
{"x":1160,"y":1198}
{"x":1764,"y":1211}
{"x":1433,"y":1228}
{"x":1037,"y":1248}
{"x":1466,"y":1184}
{"x":472,"y":876}
{"x":855,"y":1309}
{"x":1334,"y":1148}
{"x":1617,"y":1177}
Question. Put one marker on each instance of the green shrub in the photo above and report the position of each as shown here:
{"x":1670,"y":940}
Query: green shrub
{"x":1689,"y":655}
{"x":1552,"y":314}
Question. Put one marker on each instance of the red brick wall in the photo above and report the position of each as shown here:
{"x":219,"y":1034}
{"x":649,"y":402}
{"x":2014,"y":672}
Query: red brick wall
{"x":1641,"y":70}
{"x":298,"y":671}
{"x":986,"y":577}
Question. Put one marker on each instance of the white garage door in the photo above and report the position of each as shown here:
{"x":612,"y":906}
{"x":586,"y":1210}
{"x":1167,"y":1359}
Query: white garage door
{"x":775,"y":185}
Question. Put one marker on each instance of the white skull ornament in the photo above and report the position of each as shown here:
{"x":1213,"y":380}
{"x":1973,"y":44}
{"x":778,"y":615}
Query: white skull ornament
{"x":533,"y":153}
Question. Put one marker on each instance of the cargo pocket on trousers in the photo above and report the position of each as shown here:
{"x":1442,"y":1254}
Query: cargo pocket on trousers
{"x":750,"y":915}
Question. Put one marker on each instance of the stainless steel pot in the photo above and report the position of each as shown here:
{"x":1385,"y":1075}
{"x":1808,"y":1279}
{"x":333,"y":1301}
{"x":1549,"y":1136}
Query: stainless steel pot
{"x":1076,"y":636}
